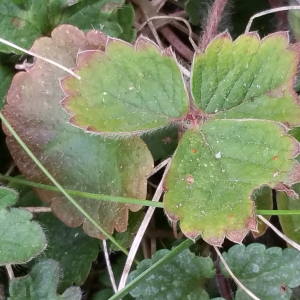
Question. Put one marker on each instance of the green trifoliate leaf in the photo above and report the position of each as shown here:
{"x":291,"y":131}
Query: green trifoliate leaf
{"x":268,"y":273}
{"x":183,"y":277}
{"x":237,"y":144}
{"x":247,"y":78}
{"x":215,"y":170}
{"x":41,"y":284}
{"x":127,"y":89}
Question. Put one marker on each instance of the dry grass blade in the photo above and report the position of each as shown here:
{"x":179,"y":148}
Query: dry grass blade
{"x":10,"y":272}
{"x":174,"y":18}
{"x":109,"y":268}
{"x":280,"y":234}
{"x":141,"y":232}
{"x":41,"y":57}
{"x":38,"y":209}
{"x":269,"y":11}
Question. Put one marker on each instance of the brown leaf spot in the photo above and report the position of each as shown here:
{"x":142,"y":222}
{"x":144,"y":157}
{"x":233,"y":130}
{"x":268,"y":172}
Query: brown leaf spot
{"x":167,"y":140}
{"x":284,"y":188}
{"x":294,"y":175}
{"x":190,"y":179}
{"x":18,"y":23}
{"x":237,"y":236}
{"x":283,"y":288}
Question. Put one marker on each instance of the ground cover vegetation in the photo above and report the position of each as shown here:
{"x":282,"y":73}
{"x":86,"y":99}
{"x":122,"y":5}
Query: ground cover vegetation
{"x":139,"y":140}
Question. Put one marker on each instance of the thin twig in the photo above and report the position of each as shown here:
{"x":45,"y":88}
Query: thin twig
{"x":11,"y":168}
{"x":10,"y":272}
{"x":269,"y":11}
{"x":184,"y":71}
{"x":109,"y":268}
{"x":279,"y":233}
{"x":174,"y":18}
{"x":158,"y":167}
{"x":41,"y":57}
{"x":142,"y":4}
{"x":233,"y":276}
{"x":38,"y":209}
{"x":140,"y":233}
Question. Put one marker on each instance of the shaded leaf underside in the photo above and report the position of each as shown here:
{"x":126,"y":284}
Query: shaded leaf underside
{"x":215,"y":171}
{"x":127,"y":89}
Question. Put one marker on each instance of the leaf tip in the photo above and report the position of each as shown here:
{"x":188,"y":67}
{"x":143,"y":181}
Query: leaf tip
{"x":143,"y":43}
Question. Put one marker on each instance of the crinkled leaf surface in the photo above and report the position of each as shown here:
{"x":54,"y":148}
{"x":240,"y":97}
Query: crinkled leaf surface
{"x":24,"y":21}
{"x":290,"y":224}
{"x":125,"y":89}
{"x":21,"y":239}
{"x":241,"y":95}
{"x":183,"y":277}
{"x":268,"y":273}
{"x":71,"y":247}
{"x":76,"y":159}
{"x":41,"y":283}
{"x":247,"y":78}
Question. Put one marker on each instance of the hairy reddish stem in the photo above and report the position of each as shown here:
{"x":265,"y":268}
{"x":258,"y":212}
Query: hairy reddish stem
{"x":213,"y":21}
{"x":222,"y":281}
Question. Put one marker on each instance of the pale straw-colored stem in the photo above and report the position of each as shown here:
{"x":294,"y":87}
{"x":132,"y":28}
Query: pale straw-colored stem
{"x":269,"y":11}
{"x":109,"y":268}
{"x":279,"y":233}
{"x":177,"y":19}
{"x":141,"y":232}
{"x":39,"y":56}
